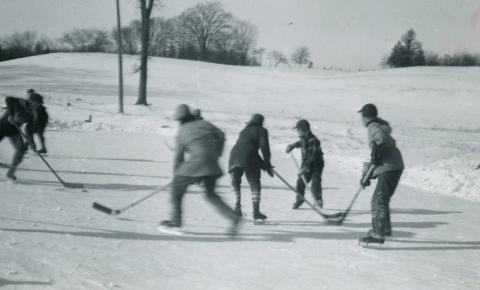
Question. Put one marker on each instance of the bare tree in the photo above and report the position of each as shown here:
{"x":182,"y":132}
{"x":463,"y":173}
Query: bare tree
{"x":146,"y":7}
{"x":245,"y":36}
{"x":21,"y":40}
{"x":130,"y":39}
{"x":88,"y":40}
{"x":277,"y":57}
{"x":301,"y":56}
{"x":206,"y":21}
{"x":258,"y":53}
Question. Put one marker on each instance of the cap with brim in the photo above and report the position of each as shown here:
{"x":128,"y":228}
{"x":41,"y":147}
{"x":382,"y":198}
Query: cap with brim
{"x":302,"y":125}
{"x":369,"y":111}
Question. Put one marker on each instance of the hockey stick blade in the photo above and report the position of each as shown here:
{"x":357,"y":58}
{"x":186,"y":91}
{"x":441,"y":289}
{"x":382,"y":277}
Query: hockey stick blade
{"x":72,"y":185}
{"x":104,"y":209}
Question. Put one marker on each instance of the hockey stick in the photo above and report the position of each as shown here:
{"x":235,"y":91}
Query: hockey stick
{"x":115,"y":212}
{"x":365,"y":177}
{"x":65,"y":184}
{"x":324,"y":215}
{"x":295,"y":160}
{"x":168,"y":145}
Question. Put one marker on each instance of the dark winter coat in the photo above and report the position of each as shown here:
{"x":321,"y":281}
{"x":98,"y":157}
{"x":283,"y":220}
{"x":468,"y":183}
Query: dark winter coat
{"x":199,"y":145}
{"x":312,"y":155}
{"x":384,"y":151}
{"x":40,"y":120}
{"x":245,"y":152}
{"x":19,"y":111}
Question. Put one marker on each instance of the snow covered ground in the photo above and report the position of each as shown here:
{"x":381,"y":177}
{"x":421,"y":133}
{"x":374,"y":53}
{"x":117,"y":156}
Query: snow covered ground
{"x":50,"y":238}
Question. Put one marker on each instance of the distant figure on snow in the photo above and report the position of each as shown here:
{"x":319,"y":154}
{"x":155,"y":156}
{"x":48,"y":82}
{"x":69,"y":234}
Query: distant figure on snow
{"x":203,"y":143}
{"x":388,"y":162}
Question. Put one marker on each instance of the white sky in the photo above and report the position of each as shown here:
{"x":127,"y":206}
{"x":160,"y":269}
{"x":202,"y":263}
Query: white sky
{"x":348,"y":33}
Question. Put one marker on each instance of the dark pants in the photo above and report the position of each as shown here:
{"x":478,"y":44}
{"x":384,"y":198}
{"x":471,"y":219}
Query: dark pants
{"x":178,"y":188}
{"x":253,"y":177}
{"x":386,"y":185}
{"x":20,"y":149}
{"x":315,"y":177}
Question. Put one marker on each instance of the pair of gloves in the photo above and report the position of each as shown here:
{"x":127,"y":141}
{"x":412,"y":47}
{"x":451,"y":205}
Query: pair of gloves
{"x":267,"y":166}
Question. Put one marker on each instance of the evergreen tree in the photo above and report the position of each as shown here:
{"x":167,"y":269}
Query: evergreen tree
{"x":407,"y":52}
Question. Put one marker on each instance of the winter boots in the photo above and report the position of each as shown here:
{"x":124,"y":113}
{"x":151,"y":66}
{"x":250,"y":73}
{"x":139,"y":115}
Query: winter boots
{"x":257,"y":215}
{"x":297,"y":203}
{"x":233,"y":230}
{"x":11,"y":173}
{"x":371,"y":240}
{"x":169,"y":224}
{"x":387,"y":233}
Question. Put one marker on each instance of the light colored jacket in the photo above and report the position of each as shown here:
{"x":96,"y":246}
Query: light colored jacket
{"x":199,"y":145}
{"x":379,"y":132}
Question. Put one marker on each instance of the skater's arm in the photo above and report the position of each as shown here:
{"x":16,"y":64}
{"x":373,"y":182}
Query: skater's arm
{"x":29,"y":135}
{"x":178,"y":154}
{"x":265,"y":146}
{"x":290,"y":147}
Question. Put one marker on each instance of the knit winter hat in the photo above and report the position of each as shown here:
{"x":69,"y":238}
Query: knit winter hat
{"x":181,"y":112}
{"x":369,"y":111}
{"x":256,"y":119}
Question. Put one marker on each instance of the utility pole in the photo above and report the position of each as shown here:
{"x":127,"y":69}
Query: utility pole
{"x":120,"y":61}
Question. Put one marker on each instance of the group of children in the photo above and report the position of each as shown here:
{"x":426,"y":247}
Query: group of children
{"x":199,"y":145}
{"x":203,"y":143}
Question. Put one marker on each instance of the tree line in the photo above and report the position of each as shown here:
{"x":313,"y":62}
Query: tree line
{"x":409,"y":52}
{"x":203,"y":32}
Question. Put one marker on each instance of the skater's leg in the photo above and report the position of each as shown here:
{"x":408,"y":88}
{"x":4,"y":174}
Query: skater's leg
{"x":253,"y":176}
{"x":213,"y":198}
{"x":301,"y":190}
{"x":179,"y":186}
{"x":386,"y":185}
{"x":41,"y":138}
{"x":236,"y":175}
{"x":20,"y":149}
{"x":392,"y":183}
{"x":317,"y":187}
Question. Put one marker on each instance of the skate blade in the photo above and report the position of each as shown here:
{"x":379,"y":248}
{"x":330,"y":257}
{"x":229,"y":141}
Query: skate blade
{"x":170,"y":231}
{"x":259,"y":222}
{"x":373,"y":246}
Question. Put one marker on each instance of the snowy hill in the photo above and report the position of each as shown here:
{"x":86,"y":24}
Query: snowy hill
{"x":50,"y":237}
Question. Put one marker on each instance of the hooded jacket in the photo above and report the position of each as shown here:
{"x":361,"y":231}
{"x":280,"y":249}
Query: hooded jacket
{"x":383,"y":146}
